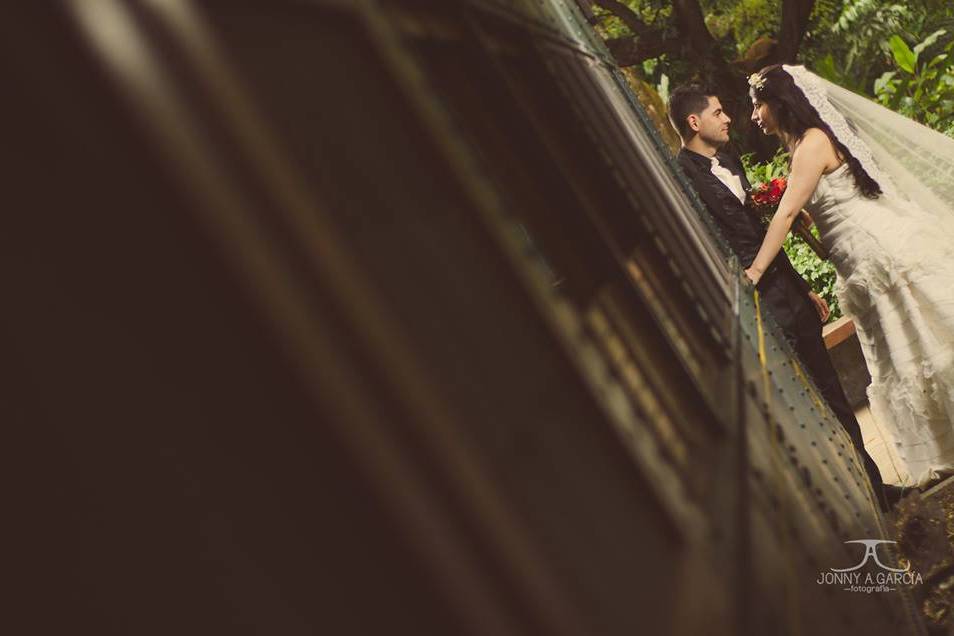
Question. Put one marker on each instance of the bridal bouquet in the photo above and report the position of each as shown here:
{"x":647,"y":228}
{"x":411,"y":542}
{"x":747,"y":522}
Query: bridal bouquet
{"x":764,"y":199}
{"x":766,"y":196}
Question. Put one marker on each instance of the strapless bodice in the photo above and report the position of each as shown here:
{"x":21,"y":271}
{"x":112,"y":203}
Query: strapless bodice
{"x":838,"y":186}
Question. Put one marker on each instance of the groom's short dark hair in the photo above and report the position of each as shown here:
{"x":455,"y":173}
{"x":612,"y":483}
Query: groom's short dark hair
{"x":690,"y":99}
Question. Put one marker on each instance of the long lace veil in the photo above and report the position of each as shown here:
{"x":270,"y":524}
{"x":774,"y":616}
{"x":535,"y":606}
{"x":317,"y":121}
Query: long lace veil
{"x":906,"y":158}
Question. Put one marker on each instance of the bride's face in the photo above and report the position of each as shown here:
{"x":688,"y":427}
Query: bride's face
{"x":763,"y":117}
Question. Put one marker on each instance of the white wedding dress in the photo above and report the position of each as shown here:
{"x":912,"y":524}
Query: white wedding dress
{"x":895,"y":265}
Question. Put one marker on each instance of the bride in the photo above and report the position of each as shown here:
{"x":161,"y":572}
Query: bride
{"x":881,"y":191}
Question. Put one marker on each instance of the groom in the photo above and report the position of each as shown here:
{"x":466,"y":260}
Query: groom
{"x":720,"y":180}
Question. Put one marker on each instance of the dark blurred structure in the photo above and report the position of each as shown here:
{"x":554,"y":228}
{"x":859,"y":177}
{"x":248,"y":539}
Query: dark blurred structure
{"x":389,"y":317}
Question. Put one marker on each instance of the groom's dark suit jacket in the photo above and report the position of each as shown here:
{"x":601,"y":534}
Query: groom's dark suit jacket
{"x":781,"y":288}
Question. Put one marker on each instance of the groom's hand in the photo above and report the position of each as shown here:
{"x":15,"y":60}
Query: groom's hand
{"x":820,"y":306}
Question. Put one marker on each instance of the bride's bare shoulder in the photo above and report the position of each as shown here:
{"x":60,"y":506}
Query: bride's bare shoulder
{"x":814,"y":136}
{"x":816,"y":142}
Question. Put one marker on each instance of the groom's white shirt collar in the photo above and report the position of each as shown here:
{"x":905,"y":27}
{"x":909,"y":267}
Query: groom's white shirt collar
{"x":731,"y":181}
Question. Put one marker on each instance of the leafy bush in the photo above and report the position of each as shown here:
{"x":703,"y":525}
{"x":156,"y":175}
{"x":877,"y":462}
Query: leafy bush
{"x":848,"y":45}
{"x":849,"y":40}
{"x":819,"y":274}
{"x":922,"y":84}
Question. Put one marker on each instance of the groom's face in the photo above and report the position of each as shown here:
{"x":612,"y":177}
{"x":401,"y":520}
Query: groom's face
{"x":712,"y":124}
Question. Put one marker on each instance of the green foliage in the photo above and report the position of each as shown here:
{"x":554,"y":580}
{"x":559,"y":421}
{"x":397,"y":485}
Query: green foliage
{"x":765,"y":172}
{"x":739,"y":23}
{"x":847,"y":43}
{"x":921,"y":84}
{"x":653,"y":13}
{"x":850,"y":41}
{"x":656,"y":15}
{"x":819,"y":274}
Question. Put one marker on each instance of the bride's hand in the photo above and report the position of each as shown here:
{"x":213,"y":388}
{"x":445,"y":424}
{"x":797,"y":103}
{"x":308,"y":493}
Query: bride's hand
{"x":753,"y":275}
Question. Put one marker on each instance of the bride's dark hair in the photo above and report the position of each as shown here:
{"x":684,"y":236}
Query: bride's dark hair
{"x":795,"y":115}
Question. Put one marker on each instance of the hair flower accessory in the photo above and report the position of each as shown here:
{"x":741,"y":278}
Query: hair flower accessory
{"x":756,"y":81}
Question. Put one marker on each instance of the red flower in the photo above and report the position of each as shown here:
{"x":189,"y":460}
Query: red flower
{"x":769,"y":194}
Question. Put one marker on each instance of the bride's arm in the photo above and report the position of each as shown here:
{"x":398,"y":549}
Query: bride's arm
{"x":808,"y":163}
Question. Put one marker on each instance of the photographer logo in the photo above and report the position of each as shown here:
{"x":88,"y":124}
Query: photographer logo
{"x":886,"y":579}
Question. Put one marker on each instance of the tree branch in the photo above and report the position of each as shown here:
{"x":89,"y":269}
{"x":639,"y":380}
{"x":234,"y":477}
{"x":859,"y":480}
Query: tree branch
{"x":692,"y":25}
{"x":647,"y":43}
{"x":795,"y":17}
{"x":633,"y":51}
{"x":627,"y":15}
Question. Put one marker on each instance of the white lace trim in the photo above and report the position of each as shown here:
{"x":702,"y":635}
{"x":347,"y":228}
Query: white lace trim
{"x":817,"y":96}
